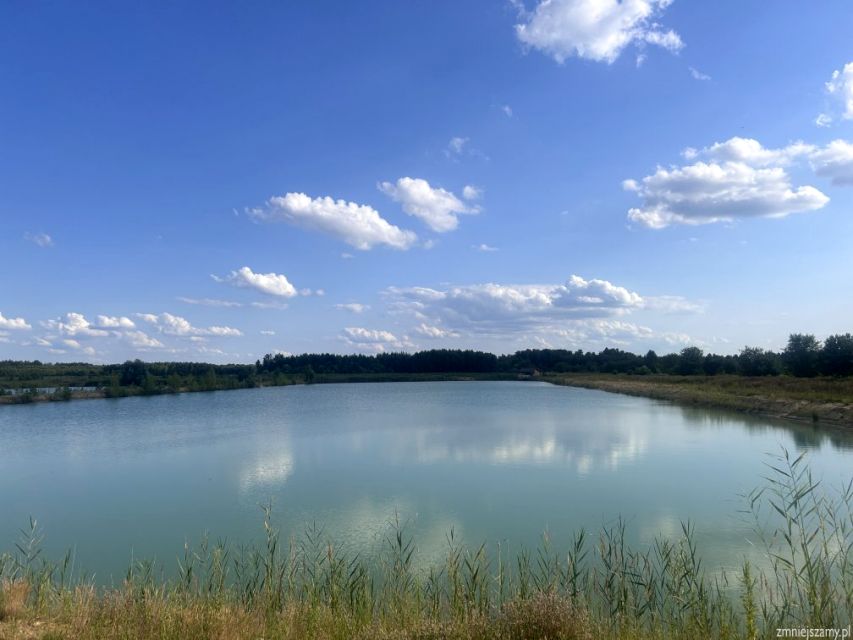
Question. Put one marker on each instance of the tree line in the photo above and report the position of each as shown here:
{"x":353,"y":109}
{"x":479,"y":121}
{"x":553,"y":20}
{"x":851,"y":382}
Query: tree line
{"x":804,"y":356}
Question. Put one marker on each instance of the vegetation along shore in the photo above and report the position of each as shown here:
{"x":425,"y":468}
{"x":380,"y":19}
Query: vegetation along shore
{"x":807,"y":381}
{"x":590,"y":586}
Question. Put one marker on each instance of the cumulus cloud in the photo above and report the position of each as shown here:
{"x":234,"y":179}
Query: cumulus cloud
{"x":13,"y":323}
{"x":115,"y":322}
{"x":480,"y":306}
{"x":76,"y":346}
{"x":74,"y":324}
{"x":74,"y":332}
{"x":141,"y":340}
{"x":435,"y":207}
{"x":172,"y":325}
{"x":375,"y":340}
{"x":273,"y":284}
{"x":596,"y":30}
{"x":41,"y":239}
{"x":840,"y":86}
{"x":735,"y":179}
{"x":834,"y":161}
{"x":751,"y":152}
{"x":358,"y":225}
{"x":580,"y":313}
{"x":591,"y":333}
{"x":484,"y":248}
{"x":354,"y":307}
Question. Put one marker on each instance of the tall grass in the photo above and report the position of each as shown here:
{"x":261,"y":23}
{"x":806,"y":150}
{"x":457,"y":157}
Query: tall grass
{"x":307,"y":587}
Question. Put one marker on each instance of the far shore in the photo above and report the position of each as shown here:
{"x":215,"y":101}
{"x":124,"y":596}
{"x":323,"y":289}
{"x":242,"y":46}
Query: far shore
{"x":819,"y":401}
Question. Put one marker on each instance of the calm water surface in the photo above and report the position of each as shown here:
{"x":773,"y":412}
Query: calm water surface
{"x":494,"y":461}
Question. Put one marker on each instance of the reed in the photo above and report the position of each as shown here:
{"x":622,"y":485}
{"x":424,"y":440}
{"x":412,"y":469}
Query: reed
{"x":307,"y":587}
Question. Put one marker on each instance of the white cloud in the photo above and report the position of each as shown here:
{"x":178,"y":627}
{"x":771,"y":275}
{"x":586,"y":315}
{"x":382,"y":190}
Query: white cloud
{"x":267,"y":332}
{"x":507,"y":110}
{"x":751,"y":152}
{"x":834,"y":161}
{"x":484,"y":248}
{"x":459,"y":147}
{"x":484,"y":305}
{"x":592,"y":333}
{"x":431,"y":331}
{"x":456,"y":146}
{"x":358,"y":225}
{"x":376,"y":340}
{"x":13,"y":323}
{"x":115,"y":322}
{"x":142,"y":340}
{"x":74,"y":324}
{"x":597,"y":30}
{"x":74,"y":344}
{"x":672,"y":304}
{"x":41,"y":239}
{"x":172,"y":325}
{"x":210,"y":302}
{"x":354,"y":307}
{"x":580,"y":313}
{"x":698,"y":75}
{"x":741,"y":179}
{"x":841,"y":87}
{"x":435,"y":207}
{"x":223,"y":331}
{"x":268,"y":305}
{"x":273,"y":284}
{"x":823,"y":120}
{"x":470,"y":192}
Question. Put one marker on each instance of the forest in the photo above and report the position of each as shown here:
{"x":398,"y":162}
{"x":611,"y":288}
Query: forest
{"x":24,"y":381}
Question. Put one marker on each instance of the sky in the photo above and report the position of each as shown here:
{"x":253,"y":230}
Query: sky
{"x":216,"y":181}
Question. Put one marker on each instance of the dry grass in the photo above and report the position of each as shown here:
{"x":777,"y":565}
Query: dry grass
{"x":824,"y":400}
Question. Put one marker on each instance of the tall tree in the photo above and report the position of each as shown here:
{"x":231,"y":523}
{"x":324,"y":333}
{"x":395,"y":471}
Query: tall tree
{"x":801,"y":354}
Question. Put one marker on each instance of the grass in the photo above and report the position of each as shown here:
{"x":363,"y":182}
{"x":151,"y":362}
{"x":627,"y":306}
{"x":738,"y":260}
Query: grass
{"x":824,"y":400}
{"x":307,"y":588}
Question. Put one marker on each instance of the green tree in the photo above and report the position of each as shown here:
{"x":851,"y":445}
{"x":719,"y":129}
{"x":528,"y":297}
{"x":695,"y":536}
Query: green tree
{"x":132,"y":373}
{"x":754,"y":361}
{"x":836,"y":357}
{"x":801,"y":355}
{"x":691,"y":361}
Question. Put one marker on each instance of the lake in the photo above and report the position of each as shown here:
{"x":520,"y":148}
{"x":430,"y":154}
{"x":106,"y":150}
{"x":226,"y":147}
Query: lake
{"x":492,"y":461}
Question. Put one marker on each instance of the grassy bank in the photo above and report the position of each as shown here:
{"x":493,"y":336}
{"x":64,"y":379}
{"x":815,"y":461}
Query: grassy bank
{"x":308,"y":588}
{"x":821,"y":400}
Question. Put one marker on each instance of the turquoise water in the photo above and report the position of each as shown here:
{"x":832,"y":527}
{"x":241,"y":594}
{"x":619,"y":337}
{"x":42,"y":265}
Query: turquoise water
{"x":493,"y":461}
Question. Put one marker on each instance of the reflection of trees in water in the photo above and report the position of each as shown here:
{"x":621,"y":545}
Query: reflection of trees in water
{"x":805,"y":436}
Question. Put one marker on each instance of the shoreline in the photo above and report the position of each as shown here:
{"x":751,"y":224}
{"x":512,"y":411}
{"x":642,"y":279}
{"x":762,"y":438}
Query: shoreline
{"x":778,"y":398}
{"x":341,"y":378}
{"x":814,"y":401}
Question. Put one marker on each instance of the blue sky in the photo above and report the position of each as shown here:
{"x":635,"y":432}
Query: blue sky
{"x":213,"y":181}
